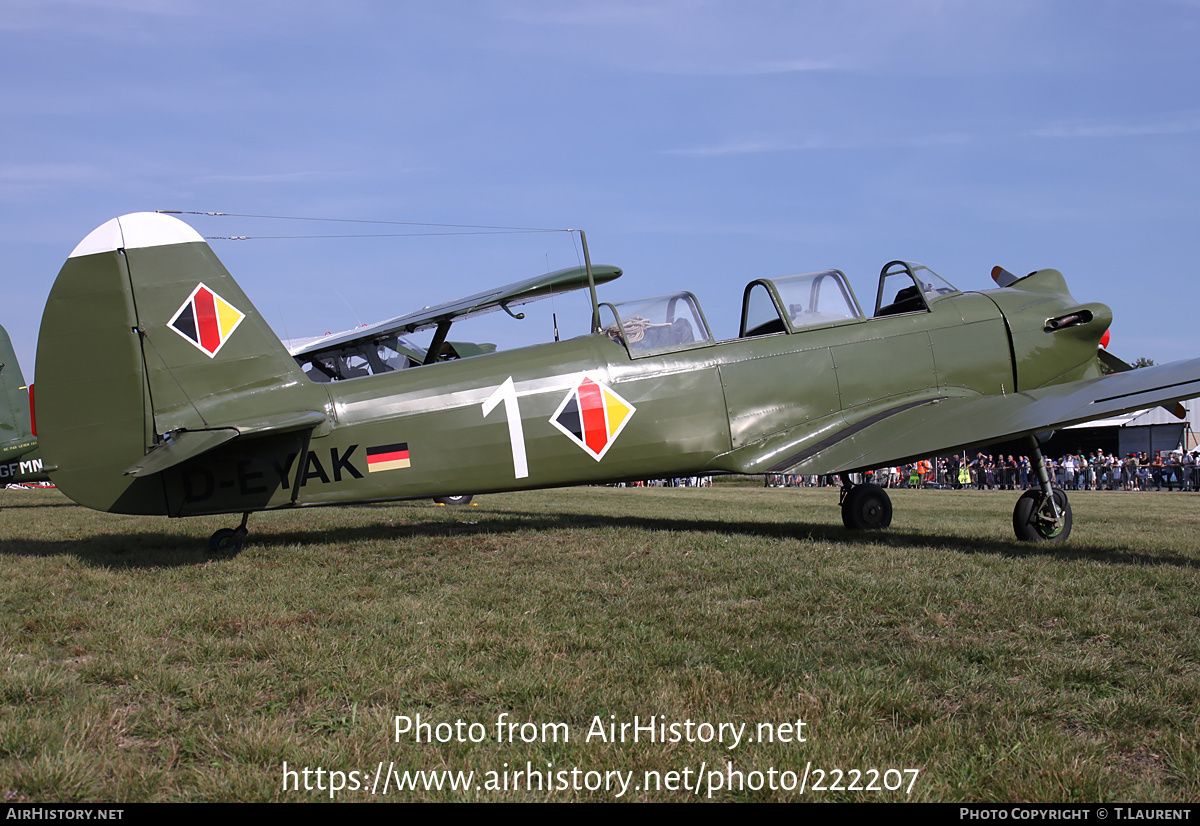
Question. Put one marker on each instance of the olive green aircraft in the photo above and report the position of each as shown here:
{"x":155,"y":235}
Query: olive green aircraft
{"x":187,"y":402}
{"x":20,"y":460}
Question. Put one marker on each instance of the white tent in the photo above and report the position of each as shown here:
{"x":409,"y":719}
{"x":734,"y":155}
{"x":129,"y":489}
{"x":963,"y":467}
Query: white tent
{"x":1153,"y":430}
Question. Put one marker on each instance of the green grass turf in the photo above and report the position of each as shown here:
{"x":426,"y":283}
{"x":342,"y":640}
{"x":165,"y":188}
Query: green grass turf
{"x":135,"y":668}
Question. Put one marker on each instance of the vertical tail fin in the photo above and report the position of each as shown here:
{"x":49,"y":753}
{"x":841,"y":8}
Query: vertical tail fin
{"x":146,"y":334}
{"x":16,"y":434}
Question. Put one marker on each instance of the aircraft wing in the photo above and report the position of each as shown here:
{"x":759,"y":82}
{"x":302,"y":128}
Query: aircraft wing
{"x":510,"y":295}
{"x":914,"y":430}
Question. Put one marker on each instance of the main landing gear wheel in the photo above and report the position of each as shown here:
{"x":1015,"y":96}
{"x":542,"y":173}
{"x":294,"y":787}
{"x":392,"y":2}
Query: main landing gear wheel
{"x":866,"y":508}
{"x":460,"y":499}
{"x":1036,"y":519}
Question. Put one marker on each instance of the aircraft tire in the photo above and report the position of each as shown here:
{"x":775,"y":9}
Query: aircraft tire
{"x":458,"y":499}
{"x":1030,"y":528}
{"x":867,"y":508}
{"x":227,"y":542}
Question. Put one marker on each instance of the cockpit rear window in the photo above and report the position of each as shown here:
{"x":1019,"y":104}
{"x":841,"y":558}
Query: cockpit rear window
{"x":656,"y":325}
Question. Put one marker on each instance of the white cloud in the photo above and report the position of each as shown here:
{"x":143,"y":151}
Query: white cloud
{"x":48,"y":173}
{"x":266,"y":177}
{"x":744,"y":68}
{"x":716,"y":38}
{"x":21,"y":181}
{"x":88,"y":17}
{"x":746,"y":147}
{"x":755,"y":146}
{"x":1178,"y":125}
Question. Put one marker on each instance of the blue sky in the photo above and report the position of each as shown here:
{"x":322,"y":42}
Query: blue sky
{"x":700,"y":144}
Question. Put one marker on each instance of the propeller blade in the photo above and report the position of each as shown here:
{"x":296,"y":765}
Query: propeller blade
{"x":1119,"y":366}
{"x":1002,"y":276}
{"x":1112,"y":362}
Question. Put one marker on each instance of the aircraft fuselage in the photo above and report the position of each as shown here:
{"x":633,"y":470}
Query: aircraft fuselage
{"x":496,"y":422}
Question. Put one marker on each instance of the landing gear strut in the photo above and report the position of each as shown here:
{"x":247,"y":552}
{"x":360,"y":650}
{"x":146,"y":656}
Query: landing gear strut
{"x":1042,"y":514}
{"x":229,"y":541}
{"x":864,"y":507}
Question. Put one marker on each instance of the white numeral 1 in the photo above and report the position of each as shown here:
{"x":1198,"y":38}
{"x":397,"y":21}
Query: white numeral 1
{"x":507,"y":393}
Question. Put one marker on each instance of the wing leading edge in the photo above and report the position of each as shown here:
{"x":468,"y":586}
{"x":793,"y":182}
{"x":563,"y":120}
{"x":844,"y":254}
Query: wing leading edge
{"x":913,"y":430}
{"x":499,"y":298}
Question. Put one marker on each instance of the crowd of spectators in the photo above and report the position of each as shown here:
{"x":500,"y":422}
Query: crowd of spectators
{"x":1172,"y":470}
{"x":677,"y":482}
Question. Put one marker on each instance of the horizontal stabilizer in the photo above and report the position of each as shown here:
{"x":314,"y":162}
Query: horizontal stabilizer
{"x":282,"y":423}
{"x":188,"y":444}
{"x":179,"y":448}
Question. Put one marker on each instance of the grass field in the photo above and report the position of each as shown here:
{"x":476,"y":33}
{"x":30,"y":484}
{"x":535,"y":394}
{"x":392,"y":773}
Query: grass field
{"x":133,"y":668}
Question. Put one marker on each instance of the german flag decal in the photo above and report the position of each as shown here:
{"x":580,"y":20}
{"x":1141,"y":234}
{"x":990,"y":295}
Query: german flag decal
{"x":206,"y":320}
{"x":387,"y":457}
{"x":592,"y":415}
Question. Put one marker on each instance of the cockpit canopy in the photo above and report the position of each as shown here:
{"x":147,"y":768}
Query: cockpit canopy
{"x":787,"y":304}
{"x":646,"y":326}
{"x":660,"y":324}
{"x":908,"y":288}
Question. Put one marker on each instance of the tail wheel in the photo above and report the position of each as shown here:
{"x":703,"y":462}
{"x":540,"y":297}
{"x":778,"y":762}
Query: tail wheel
{"x":866,"y":508}
{"x":459,"y":499}
{"x":227,"y":542}
{"x":1035,"y":520}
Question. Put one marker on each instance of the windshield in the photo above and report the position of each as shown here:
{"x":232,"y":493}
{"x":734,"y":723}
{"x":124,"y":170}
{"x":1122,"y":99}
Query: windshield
{"x":909,"y":288}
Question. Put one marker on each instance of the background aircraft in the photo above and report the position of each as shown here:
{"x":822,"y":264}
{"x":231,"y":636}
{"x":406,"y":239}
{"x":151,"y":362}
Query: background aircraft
{"x":20,"y":460}
{"x":191,"y":405}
